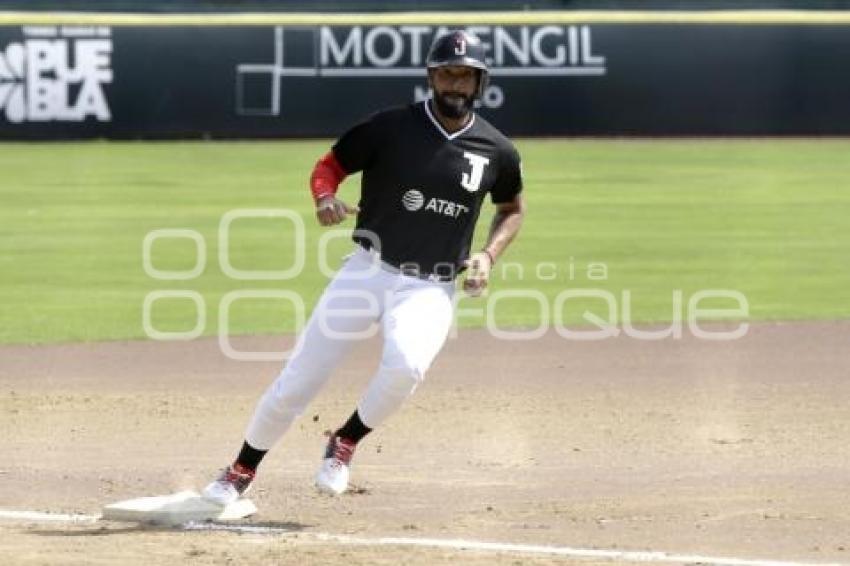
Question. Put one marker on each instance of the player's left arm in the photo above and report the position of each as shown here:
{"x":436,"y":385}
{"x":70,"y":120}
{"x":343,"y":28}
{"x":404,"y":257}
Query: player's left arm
{"x":506,"y":224}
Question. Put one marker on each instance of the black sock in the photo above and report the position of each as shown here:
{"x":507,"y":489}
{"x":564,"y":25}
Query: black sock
{"x":354,"y":429}
{"x":250,"y":457}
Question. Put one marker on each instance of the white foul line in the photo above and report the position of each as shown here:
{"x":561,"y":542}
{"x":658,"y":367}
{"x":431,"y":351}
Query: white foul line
{"x":460,"y":544}
{"x":457,"y":544}
{"x":52,"y":517}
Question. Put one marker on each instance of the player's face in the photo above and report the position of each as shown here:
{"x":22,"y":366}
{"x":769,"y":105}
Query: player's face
{"x":454,"y":89}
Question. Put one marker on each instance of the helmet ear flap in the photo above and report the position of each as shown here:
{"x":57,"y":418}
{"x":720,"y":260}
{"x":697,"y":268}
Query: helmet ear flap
{"x":483,"y":82}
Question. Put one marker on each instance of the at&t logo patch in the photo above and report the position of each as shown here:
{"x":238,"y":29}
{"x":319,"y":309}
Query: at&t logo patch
{"x":413,"y":200}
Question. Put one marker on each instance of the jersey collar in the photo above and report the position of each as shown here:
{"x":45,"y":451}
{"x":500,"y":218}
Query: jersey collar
{"x":439,"y":126}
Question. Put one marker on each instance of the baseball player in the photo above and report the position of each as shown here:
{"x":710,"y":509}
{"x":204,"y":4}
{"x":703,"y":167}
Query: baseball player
{"x":426,"y":170}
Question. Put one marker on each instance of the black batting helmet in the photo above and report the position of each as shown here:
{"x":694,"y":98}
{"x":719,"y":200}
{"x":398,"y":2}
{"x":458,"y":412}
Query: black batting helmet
{"x":460,"y":48}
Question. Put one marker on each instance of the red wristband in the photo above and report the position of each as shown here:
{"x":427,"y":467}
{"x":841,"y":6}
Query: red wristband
{"x":326,"y":177}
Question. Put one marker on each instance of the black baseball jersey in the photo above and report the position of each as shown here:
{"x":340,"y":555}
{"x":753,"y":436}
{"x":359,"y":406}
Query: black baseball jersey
{"x":422,"y":188}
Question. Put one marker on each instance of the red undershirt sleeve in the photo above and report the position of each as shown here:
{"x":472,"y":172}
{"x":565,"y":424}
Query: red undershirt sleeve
{"x":326,"y":176}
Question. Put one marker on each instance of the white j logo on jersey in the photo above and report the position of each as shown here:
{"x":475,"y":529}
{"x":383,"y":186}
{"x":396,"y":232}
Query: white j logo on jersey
{"x":472,"y":181}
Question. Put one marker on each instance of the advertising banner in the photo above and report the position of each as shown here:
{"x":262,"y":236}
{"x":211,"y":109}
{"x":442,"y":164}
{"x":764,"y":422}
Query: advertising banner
{"x":254,"y":81}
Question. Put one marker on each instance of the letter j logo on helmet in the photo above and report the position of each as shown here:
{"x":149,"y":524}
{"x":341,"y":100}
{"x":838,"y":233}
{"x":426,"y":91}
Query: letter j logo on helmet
{"x":460,"y":46}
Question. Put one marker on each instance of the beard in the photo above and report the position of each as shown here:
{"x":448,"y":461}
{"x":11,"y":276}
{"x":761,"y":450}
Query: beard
{"x":453,"y":105}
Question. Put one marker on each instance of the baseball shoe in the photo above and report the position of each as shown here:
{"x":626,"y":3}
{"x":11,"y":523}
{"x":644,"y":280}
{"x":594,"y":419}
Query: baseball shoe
{"x":233,"y":482}
{"x":333,"y":475}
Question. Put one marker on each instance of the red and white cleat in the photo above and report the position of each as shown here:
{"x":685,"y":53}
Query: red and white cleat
{"x":232,"y":484}
{"x":333,"y":475}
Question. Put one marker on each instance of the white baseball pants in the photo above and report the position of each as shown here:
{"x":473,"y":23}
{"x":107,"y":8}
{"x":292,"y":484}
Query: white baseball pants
{"x":415,"y":316}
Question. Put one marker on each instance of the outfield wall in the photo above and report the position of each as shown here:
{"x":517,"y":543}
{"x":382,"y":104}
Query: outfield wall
{"x":309,"y":75}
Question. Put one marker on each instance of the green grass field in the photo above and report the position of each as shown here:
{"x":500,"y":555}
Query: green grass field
{"x":768,"y":218}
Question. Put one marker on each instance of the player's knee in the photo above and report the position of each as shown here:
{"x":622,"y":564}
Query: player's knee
{"x":275,"y":408}
{"x":289,"y":396}
{"x":406,"y":368}
{"x":396,"y":383}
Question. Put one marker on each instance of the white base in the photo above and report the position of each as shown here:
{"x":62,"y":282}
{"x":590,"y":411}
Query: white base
{"x":176,"y":509}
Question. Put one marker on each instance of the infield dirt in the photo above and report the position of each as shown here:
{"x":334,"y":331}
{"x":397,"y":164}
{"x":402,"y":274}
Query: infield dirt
{"x":716,"y":448}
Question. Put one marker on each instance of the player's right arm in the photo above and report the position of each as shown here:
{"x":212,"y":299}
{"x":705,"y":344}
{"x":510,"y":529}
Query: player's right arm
{"x":324,"y":183}
{"x":352,"y":152}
